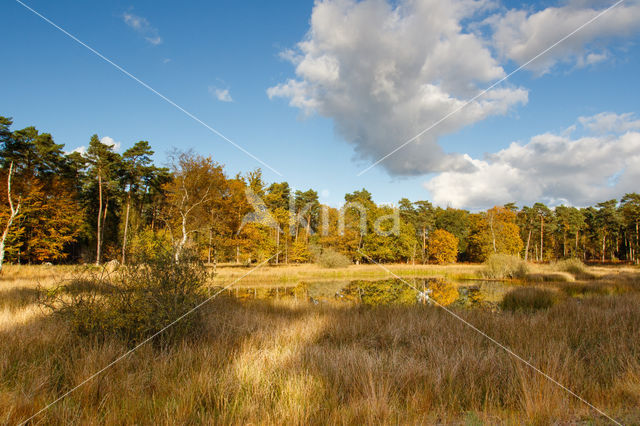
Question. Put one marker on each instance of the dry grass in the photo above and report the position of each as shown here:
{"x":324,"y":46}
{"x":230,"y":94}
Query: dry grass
{"x":286,"y":362}
{"x":294,"y":273}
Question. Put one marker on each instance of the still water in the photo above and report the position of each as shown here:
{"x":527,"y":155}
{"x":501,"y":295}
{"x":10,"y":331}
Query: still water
{"x":409,"y":291}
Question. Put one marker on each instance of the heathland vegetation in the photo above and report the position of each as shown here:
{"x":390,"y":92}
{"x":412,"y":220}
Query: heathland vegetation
{"x":286,"y":360}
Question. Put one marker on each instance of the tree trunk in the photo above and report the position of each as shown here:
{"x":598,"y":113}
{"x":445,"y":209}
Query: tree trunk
{"x":541,"y":238}
{"x":104,"y":221}
{"x":277,"y":245}
{"x":126,"y":228}
{"x":210,"y":239}
{"x":526,"y":250}
{"x":424,"y":243}
{"x":604,"y":239}
{"x":637,"y":246}
{"x":183,"y":240}
{"x":493,"y":235}
{"x":12,"y":216}
{"x":99,"y":228}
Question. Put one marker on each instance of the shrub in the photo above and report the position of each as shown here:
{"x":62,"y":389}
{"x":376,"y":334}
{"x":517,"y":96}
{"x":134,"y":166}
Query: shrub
{"x":443,"y":247}
{"x":528,"y":299}
{"x":500,"y":266}
{"x":135,"y":302}
{"x":329,"y":258}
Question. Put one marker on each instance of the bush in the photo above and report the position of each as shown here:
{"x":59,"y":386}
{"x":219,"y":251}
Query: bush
{"x":500,"y":266}
{"x":329,"y":258}
{"x":135,"y":302}
{"x":528,"y":299}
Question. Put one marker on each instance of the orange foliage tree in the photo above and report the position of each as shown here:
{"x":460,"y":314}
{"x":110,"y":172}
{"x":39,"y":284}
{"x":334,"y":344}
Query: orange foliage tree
{"x":443,"y":247}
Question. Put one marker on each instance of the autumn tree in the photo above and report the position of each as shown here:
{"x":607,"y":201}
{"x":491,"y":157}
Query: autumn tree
{"x":40,"y":195}
{"x":198,"y":184}
{"x":443,"y":247}
{"x":456,"y":222}
{"x":494,"y":231}
{"x":390,"y":239}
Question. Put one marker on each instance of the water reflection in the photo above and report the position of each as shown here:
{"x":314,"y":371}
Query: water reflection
{"x":468,"y":294}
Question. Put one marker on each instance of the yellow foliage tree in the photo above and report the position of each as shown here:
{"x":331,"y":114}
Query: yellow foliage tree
{"x":443,"y":247}
{"x":492,"y":232}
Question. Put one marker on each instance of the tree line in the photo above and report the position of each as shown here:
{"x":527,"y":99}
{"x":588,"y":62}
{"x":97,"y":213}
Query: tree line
{"x":100,"y":205}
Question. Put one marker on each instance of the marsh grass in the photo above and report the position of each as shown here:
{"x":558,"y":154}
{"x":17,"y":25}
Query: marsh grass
{"x":288,"y":362}
{"x":528,"y":299}
{"x":583,"y":289}
{"x":575,"y":267}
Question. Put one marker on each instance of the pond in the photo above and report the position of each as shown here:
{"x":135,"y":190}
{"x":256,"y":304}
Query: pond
{"x":410,"y":291}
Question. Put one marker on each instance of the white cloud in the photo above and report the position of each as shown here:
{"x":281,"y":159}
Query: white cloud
{"x":551,"y":168}
{"x":384,"y":73}
{"x":520,"y":35}
{"x":222,"y":95}
{"x":609,"y":122}
{"x":143,"y":27}
{"x":112,"y":142}
{"x":81,"y":150}
{"x":386,"y":70}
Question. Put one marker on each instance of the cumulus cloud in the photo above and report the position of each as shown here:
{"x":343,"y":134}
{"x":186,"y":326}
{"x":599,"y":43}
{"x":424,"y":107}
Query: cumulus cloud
{"x":386,"y":72}
{"x":142,"y":26}
{"x":551,"y":168}
{"x":520,"y":35}
{"x":222,"y":95}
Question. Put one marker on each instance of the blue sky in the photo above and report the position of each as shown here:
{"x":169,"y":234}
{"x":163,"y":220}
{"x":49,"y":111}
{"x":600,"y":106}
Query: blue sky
{"x":187,"y":52}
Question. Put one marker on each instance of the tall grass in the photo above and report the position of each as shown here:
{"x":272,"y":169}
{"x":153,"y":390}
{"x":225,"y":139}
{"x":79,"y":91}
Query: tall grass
{"x":500,"y":266}
{"x":275,"y":362}
{"x":287,"y":362}
{"x":528,"y":299}
{"x":575,"y":267}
